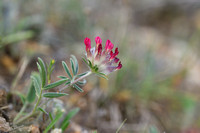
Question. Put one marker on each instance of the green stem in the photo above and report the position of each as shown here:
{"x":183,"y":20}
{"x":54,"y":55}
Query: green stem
{"x":34,"y":110}
{"x":38,"y":101}
{"x":24,"y":118}
{"x":20,"y":113}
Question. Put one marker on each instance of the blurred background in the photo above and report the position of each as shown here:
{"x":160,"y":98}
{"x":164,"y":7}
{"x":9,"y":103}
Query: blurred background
{"x":158,"y":88}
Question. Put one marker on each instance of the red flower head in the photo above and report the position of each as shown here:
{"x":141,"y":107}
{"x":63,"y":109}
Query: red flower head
{"x":104,"y":61}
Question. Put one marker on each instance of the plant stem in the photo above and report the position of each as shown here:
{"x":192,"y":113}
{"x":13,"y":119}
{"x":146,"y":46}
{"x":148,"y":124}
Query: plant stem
{"x":76,"y":81}
{"x":20,"y":113}
{"x":38,"y":101}
{"x":34,"y":110}
{"x":24,"y":118}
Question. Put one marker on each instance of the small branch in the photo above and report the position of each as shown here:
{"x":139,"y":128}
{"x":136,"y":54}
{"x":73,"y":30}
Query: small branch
{"x":20,"y":113}
{"x":34,"y":110}
{"x":61,"y":89}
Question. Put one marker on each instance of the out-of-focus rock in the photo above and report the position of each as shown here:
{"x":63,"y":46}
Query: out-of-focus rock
{"x":4,"y":126}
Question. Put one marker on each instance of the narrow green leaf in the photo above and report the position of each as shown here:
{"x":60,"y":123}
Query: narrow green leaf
{"x":43,"y":74}
{"x":37,"y":77}
{"x":77,"y":88}
{"x":71,"y":114}
{"x":50,"y":68}
{"x":65,"y":125}
{"x":39,"y":69}
{"x":58,"y":116}
{"x":31,"y":93}
{"x":54,"y":94}
{"x":55,"y":84}
{"x":68,"y":82}
{"x":36,"y":85}
{"x":42,"y":110}
{"x":22,"y":97}
{"x":102,"y":75}
{"x":75,"y":63}
{"x":82,"y":74}
{"x":66,"y":69}
{"x":90,"y":64}
{"x":82,"y":82}
{"x":72,"y":66}
{"x":62,"y":77}
{"x":85,"y":60}
{"x":50,"y":116}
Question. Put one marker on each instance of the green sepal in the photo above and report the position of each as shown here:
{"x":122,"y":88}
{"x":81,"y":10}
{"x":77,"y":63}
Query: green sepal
{"x":102,"y":75}
{"x":85,"y":60}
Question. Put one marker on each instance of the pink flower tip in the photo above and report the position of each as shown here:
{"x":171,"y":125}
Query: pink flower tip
{"x":100,"y":49}
{"x":87,"y":43}
{"x":116,"y":59}
{"x":109,"y":46}
{"x":98,"y":40}
{"x":119,"y":65}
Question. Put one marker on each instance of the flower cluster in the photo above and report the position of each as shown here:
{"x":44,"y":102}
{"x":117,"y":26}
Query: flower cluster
{"x":102,"y":60}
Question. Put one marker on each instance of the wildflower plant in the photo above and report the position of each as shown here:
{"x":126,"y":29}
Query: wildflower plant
{"x":100,"y":62}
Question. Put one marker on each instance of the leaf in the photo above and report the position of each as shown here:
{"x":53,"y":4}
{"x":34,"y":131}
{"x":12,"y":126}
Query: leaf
{"x":54,"y":94}
{"x":72,"y":66}
{"x":77,"y":88}
{"x":22,"y":97}
{"x":82,"y":82}
{"x":82,"y":74}
{"x":71,"y":114}
{"x":42,"y":110}
{"x":68,"y":82}
{"x":31,"y":93}
{"x":85,"y":60}
{"x":36,"y":85}
{"x":43,"y":71}
{"x":39,"y":69}
{"x":55,"y":84}
{"x":50,"y":116}
{"x":58,"y":116}
{"x":90,"y":64}
{"x":75,"y":63}
{"x":66,"y":69}
{"x":102,"y":75}
{"x":50,"y":68}
{"x":62,"y":77}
